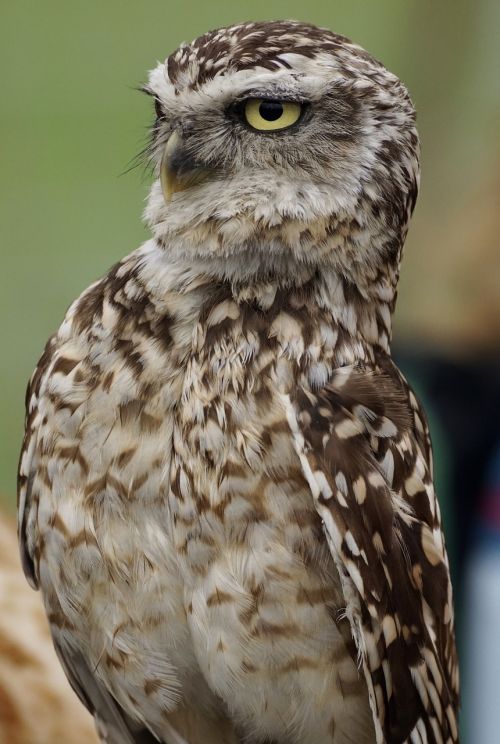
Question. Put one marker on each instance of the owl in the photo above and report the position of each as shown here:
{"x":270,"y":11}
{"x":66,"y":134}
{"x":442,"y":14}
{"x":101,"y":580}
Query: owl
{"x":225,"y":491}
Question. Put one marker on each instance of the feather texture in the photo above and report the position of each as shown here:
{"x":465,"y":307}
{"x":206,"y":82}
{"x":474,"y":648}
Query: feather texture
{"x":225,"y":489}
{"x":366,"y":452}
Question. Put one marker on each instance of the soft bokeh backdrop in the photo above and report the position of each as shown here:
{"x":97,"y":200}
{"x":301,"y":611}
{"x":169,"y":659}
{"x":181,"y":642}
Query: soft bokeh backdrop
{"x":72,"y":122}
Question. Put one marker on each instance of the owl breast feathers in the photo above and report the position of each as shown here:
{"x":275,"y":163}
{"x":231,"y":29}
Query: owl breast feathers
{"x":225,"y":489}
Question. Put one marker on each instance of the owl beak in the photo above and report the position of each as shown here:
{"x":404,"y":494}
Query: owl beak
{"x":178,"y":170}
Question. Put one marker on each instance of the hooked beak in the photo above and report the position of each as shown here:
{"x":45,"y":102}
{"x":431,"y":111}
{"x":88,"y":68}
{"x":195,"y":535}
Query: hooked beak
{"x":178,"y":170}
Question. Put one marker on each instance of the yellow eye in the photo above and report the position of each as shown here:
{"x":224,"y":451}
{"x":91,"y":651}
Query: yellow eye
{"x":269,"y":116}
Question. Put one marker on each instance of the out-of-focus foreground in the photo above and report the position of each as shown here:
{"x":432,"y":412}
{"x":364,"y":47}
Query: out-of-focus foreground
{"x":71,"y":123}
{"x":37,"y":706}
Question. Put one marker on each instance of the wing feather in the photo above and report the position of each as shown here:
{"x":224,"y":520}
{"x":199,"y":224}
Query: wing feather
{"x":365,"y":451}
{"x":28,"y":460}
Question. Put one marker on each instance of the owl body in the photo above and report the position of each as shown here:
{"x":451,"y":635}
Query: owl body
{"x":225,"y":490}
{"x":191,"y":565}
{"x":263,"y":595}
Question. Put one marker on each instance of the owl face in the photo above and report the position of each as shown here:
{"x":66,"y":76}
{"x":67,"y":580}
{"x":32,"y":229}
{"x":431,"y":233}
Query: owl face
{"x":283,"y":142}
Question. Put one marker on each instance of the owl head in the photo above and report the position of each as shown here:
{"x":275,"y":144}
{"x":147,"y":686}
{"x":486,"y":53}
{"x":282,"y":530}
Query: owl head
{"x":281,"y":148}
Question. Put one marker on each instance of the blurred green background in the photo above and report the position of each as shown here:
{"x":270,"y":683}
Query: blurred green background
{"x":72,"y":121}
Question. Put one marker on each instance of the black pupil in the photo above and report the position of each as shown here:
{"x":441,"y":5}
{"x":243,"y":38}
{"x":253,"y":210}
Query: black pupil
{"x":271,"y":110}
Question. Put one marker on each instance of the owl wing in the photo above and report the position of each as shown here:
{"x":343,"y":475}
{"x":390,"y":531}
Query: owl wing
{"x":28,"y":459}
{"x":365,"y":451}
{"x":113,"y":726}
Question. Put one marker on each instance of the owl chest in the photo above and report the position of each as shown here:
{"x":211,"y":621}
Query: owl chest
{"x":240,"y":506}
{"x":236,"y":481}
{"x":260,"y":586}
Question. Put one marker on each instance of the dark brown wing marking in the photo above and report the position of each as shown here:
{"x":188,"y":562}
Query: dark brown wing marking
{"x":364,"y":447}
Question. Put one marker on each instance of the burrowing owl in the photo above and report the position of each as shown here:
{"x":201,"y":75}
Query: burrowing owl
{"x":225,"y":491}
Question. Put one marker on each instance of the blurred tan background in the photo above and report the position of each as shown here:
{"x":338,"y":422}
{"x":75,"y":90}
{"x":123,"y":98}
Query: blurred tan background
{"x":72,"y":122}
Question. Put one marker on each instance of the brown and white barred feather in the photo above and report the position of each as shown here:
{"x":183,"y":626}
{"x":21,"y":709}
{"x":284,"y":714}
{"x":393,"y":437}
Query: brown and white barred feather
{"x":113,"y":726}
{"x":365,"y":450}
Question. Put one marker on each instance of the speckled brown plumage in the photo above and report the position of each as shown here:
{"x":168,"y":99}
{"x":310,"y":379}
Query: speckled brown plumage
{"x":226,"y":485}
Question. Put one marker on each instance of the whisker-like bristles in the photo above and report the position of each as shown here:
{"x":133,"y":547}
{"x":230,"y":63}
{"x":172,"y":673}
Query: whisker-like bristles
{"x":144,"y":158}
{"x":147,"y":156}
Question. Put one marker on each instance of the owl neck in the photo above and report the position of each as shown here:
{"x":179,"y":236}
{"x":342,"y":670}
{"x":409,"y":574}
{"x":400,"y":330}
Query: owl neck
{"x":354,"y":310}
{"x":359,"y":316}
